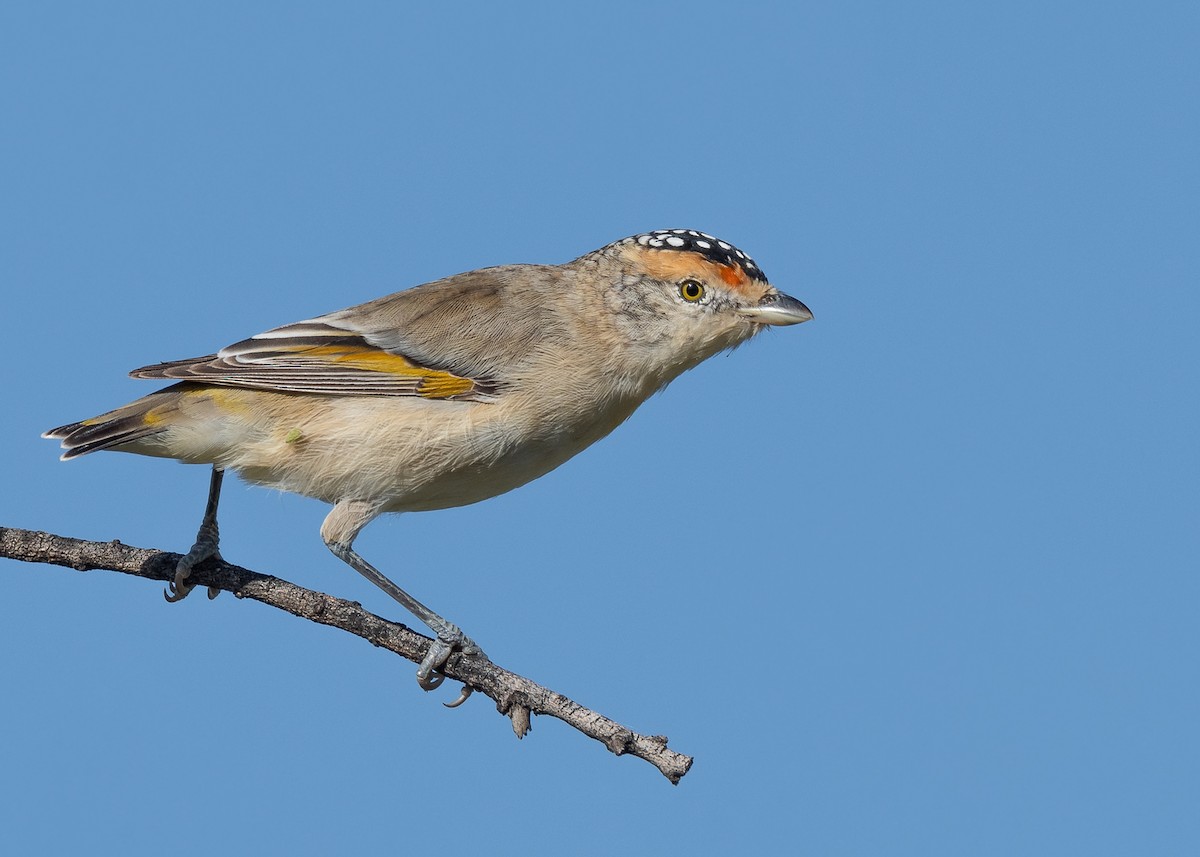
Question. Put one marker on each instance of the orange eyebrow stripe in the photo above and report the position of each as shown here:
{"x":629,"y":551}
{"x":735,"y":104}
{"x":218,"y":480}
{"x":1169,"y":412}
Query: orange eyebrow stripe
{"x":732,"y":276}
{"x":675,"y":265}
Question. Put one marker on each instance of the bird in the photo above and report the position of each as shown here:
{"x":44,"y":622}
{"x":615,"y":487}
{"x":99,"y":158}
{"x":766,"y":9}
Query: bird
{"x":443,"y":394}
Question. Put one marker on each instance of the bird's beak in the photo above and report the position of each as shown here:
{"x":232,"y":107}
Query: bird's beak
{"x":777,"y":309}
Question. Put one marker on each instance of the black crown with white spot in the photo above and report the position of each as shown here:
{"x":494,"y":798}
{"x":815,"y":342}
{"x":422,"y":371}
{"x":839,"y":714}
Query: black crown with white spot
{"x":708,"y":246}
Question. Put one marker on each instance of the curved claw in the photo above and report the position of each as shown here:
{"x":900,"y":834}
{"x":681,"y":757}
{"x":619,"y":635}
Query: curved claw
{"x":177,"y":590}
{"x":430,"y":682}
{"x":463,"y":695}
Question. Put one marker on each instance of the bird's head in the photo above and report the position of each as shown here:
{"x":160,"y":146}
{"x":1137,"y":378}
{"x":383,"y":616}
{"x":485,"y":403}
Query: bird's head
{"x":678,"y":296}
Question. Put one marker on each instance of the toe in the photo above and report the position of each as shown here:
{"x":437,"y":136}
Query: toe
{"x":177,"y":591}
{"x":429,"y":676}
{"x":463,"y":694}
{"x":430,"y":682}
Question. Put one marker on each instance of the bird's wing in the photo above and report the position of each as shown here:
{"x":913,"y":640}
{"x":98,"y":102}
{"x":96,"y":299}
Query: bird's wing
{"x":454,"y":339}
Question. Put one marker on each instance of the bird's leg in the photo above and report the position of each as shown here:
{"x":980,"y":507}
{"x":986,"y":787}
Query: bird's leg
{"x":449,"y":635}
{"x":205,"y":547}
{"x":341,"y":526}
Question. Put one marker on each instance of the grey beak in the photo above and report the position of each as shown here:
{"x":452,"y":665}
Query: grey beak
{"x":778,"y":309}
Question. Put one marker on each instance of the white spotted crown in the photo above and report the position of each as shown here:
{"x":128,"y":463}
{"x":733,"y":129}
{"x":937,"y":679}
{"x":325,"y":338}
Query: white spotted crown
{"x":709,"y":246}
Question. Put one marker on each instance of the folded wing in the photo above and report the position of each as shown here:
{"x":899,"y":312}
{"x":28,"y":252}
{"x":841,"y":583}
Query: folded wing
{"x":318,"y":357}
{"x":463,"y":338}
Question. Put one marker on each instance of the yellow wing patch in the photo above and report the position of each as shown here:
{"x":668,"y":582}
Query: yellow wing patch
{"x":434,"y":384}
{"x":336,"y":364}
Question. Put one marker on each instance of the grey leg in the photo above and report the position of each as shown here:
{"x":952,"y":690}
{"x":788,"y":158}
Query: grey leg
{"x":339,"y":531}
{"x":205,"y":547}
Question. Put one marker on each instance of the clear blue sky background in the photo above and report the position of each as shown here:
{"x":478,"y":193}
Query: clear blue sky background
{"x":919,"y":577}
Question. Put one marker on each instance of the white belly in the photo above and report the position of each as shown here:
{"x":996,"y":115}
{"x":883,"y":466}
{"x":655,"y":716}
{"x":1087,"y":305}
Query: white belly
{"x":409,"y":453}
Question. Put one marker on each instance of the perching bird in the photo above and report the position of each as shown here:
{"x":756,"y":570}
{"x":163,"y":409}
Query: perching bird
{"x":447,"y":393}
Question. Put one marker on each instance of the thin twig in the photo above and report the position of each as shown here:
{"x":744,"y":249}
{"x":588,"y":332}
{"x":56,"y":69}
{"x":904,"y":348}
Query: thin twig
{"x":515,"y":696}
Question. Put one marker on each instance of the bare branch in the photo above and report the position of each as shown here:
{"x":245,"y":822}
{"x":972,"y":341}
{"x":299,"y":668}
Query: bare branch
{"x":515,"y":696}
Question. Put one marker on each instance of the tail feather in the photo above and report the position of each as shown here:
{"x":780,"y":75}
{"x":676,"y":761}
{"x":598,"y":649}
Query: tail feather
{"x":132,"y":422}
{"x":80,"y":439}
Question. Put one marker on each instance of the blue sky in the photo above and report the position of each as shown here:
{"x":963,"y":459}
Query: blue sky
{"x":918,"y":577}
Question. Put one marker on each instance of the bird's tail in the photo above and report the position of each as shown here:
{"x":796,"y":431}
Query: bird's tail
{"x":126,"y":425}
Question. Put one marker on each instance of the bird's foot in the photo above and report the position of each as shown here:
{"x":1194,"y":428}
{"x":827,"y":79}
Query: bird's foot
{"x":204,"y":548}
{"x":449,"y":639}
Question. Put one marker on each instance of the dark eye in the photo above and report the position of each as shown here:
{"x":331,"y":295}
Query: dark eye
{"x":691,"y":291}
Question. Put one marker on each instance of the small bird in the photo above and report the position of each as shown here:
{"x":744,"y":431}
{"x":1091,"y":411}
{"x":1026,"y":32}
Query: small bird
{"x":444,"y":394}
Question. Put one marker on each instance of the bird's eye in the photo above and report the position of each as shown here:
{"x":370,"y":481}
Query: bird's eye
{"x":691,"y":291}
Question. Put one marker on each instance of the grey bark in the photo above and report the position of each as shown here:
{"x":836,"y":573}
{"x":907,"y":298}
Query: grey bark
{"x":515,"y":696}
